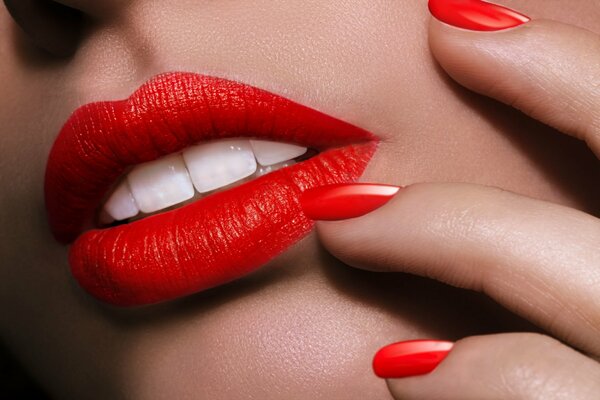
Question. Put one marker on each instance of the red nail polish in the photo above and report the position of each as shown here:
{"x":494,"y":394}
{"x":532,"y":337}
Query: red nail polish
{"x":412,"y":358}
{"x":344,"y":201}
{"x":476,"y":15}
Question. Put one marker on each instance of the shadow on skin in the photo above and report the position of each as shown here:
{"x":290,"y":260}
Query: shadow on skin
{"x":31,"y":55}
{"x":442,"y":311}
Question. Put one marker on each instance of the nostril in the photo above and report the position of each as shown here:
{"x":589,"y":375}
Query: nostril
{"x":51,"y":26}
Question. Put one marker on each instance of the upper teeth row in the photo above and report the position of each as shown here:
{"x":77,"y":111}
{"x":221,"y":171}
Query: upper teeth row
{"x":171,"y":180}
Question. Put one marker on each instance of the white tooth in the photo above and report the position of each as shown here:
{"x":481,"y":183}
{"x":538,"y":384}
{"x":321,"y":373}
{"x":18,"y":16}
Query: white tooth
{"x":217,"y":164}
{"x":262,"y":170}
{"x":121,"y":204}
{"x":160,"y":184}
{"x":269,"y":153}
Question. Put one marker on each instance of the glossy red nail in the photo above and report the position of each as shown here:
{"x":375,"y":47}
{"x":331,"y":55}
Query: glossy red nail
{"x":476,"y":15}
{"x":344,"y":201}
{"x":412,"y":358}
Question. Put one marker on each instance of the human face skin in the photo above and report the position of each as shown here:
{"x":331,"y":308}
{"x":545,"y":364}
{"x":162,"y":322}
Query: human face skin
{"x":305,"y":326}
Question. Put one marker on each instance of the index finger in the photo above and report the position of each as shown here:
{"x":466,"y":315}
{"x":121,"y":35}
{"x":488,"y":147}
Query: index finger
{"x":540,"y":260}
{"x":547,"y":69}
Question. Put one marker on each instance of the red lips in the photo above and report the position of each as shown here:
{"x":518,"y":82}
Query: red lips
{"x":216,"y":239}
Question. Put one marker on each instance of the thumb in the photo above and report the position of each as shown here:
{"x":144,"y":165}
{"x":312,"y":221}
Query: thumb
{"x":548,"y":70}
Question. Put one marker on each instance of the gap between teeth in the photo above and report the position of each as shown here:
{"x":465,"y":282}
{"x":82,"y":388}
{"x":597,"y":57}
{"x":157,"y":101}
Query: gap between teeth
{"x":198,"y":170}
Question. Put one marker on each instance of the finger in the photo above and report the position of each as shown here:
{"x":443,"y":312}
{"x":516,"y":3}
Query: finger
{"x":546,"y":69}
{"x":539,"y":259}
{"x":506,"y":366}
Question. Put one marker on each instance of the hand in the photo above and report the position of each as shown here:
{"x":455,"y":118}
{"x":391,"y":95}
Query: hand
{"x":539,"y":259}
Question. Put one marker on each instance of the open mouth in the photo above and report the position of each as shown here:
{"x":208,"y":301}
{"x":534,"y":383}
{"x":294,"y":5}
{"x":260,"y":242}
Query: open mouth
{"x":191,"y":182}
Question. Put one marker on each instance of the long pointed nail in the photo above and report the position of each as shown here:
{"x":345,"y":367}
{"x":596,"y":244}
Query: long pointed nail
{"x":345,"y":201}
{"x":476,"y":15}
{"x":412,"y":358}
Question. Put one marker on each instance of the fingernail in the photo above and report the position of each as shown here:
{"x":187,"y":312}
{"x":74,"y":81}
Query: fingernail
{"x":345,"y":201}
{"x":412,"y":358}
{"x":476,"y":15}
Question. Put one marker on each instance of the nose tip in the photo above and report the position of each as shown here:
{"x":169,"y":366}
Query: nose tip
{"x":51,"y":26}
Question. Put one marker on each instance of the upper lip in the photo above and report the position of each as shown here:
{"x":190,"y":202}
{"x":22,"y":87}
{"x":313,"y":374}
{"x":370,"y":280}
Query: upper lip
{"x":100,"y":141}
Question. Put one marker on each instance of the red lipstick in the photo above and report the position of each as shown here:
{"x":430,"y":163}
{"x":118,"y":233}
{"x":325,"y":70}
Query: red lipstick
{"x":216,"y":239}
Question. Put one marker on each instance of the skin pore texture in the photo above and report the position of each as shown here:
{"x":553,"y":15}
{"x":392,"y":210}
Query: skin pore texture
{"x":305,"y":326}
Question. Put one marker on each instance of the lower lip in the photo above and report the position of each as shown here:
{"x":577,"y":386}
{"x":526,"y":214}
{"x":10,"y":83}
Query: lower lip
{"x":211,"y":242}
